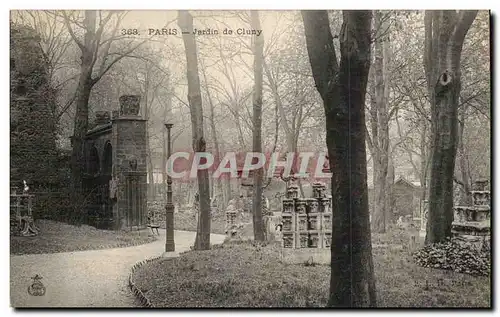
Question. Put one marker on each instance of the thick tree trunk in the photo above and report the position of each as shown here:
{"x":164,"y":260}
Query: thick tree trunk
{"x":185,"y":21}
{"x":84,"y":89}
{"x":443,"y":162}
{"x":80,"y":130}
{"x":343,"y":92}
{"x":445,"y":33}
{"x":258,"y":224}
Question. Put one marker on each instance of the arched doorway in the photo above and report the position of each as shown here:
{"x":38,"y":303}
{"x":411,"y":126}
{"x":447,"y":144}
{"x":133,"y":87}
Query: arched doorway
{"x":107,"y":165}
{"x":91,"y":186}
{"x":97,"y":178}
{"x":106,"y":216}
{"x":93,"y":165}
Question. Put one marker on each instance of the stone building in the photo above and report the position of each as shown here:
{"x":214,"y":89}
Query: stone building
{"x":33,"y":153}
{"x":115,"y":178}
{"x":406,"y":198}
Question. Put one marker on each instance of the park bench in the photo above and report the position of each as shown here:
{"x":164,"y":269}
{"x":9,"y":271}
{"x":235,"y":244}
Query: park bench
{"x":153,"y":226}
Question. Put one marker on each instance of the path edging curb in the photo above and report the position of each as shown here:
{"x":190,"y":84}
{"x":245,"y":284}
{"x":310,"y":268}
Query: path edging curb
{"x":145,"y":302}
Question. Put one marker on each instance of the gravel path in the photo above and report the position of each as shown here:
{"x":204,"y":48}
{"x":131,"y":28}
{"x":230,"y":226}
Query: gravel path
{"x":97,"y":278}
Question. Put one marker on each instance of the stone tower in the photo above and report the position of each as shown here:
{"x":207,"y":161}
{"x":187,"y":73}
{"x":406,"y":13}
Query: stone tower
{"x":129,"y":163}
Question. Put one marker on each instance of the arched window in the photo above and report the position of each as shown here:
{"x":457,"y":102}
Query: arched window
{"x":93,"y":161}
{"x":108,"y":159}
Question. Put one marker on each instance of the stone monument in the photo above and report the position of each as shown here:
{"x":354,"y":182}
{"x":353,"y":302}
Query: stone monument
{"x":471,"y":224}
{"x":307,"y":226}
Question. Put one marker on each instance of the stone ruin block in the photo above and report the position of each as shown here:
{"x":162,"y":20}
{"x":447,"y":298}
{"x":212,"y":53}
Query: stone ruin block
{"x":314,"y":221}
{"x":292,"y":192}
{"x":314,"y":240}
{"x":288,"y":222}
{"x":471,"y":213}
{"x":325,"y":205}
{"x":326,"y":221}
{"x":302,"y":240}
{"x":470,"y":228}
{"x":482,"y":213}
{"x":300,"y":206}
{"x":307,"y":222}
{"x":288,"y":206}
{"x":481,"y":198}
{"x":129,"y":105}
{"x":301,"y":223}
{"x":481,"y":185}
{"x":326,"y":239}
{"x":462,"y":213}
{"x":319,"y":190}
{"x":312,"y":205}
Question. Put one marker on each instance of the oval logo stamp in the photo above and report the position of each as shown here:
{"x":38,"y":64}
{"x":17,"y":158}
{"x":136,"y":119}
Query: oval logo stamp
{"x":36,"y":288}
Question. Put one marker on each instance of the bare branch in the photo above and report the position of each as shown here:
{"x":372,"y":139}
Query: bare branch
{"x":66,"y":106}
{"x":98,"y":77}
{"x":70,"y":30}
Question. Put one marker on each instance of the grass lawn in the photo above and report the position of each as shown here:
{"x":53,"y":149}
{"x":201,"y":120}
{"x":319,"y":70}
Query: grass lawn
{"x":248,"y":275}
{"x":60,"y":237}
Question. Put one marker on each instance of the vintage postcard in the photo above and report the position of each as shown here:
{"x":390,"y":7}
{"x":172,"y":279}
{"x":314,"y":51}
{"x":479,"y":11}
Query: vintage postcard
{"x":250,"y":158}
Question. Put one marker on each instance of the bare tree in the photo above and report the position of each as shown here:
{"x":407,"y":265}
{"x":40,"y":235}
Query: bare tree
{"x":92,"y":47}
{"x":379,"y":122}
{"x":258,"y":224}
{"x":222,"y":184}
{"x":343,"y":88}
{"x":185,"y":22}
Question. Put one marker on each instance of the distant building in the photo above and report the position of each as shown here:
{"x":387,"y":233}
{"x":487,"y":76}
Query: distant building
{"x":406,"y":198}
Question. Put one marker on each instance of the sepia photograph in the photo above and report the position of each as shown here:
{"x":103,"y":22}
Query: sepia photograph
{"x":250,"y":158}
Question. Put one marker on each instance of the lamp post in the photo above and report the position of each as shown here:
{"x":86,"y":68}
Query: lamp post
{"x":169,"y":207}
